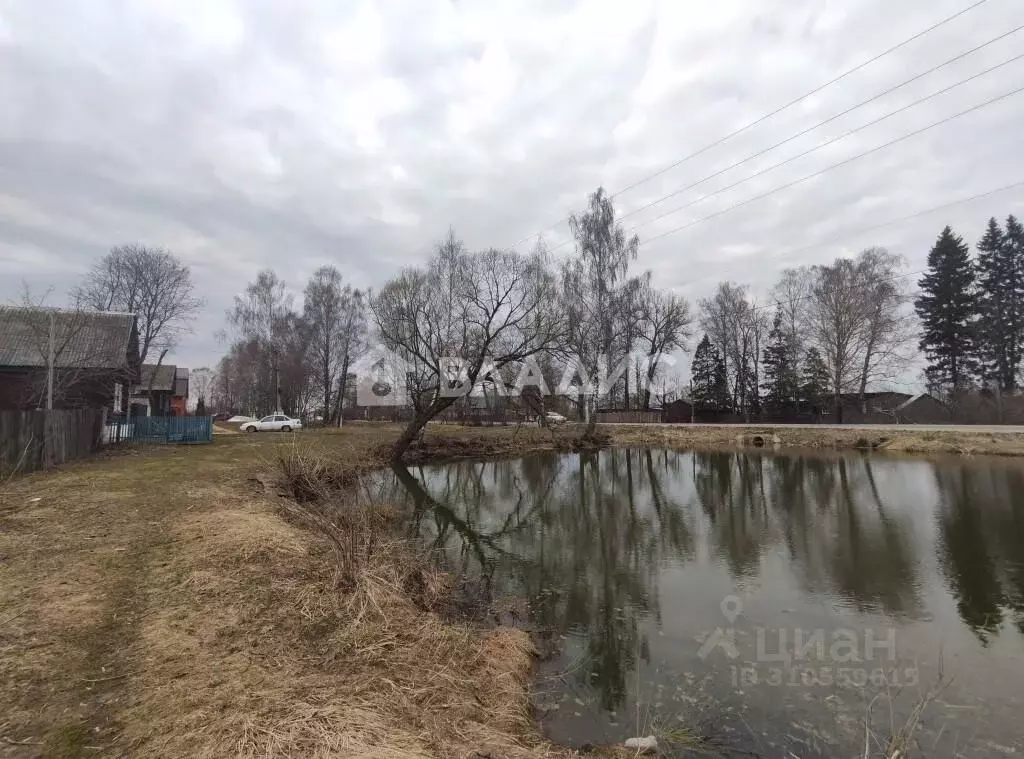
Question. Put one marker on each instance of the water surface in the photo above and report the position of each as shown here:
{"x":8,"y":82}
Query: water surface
{"x":785,"y":605}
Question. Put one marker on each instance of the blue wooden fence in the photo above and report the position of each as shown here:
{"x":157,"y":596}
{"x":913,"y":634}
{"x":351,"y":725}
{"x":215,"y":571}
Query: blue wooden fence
{"x":160,"y":429}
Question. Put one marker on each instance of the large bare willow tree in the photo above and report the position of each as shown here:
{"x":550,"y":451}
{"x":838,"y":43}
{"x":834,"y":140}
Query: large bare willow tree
{"x":488,"y":311}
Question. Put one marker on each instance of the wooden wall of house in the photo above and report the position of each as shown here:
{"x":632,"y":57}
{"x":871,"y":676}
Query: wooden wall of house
{"x":31,"y":440}
{"x":25,"y":388}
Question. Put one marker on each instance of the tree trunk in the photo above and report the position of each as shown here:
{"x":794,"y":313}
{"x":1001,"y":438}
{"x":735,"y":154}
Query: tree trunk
{"x":419,"y":421}
{"x":652,"y":369}
{"x":327,"y":389}
{"x":625,"y":404}
{"x":342,"y":385}
{"x":837,"y":406}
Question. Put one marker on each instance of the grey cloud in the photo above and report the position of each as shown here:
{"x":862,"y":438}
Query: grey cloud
{"x":252,"y":134}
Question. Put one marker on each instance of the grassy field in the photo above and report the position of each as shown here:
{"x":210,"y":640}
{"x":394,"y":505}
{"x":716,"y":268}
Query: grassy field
{"x":166,"y":602}
{"x":176,"y":601}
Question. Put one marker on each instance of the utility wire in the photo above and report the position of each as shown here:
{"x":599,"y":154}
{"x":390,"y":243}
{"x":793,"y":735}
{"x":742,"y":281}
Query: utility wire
{"x":915,"y":215}
{"x":844,"y":113}
{"x":816,"y":148}
{"x":778,"y":110}
{"x":844,"y":162}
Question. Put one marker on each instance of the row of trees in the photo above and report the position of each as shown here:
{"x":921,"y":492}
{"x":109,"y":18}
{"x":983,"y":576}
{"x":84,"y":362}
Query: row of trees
{"x":826,"y":331}
{"x":497,"y":310}
{"x":281,"y":358}
{"x":972,"y":310}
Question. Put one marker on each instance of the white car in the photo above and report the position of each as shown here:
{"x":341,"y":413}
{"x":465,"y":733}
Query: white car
{"x":272,"y":423}
{"x":553,"y":418}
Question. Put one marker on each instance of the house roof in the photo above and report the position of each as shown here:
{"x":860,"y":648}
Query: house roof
{"x":82,"y":339}
{"x":916,"y":398}
{"x":886,"y":395}
{"x":162,"y":377}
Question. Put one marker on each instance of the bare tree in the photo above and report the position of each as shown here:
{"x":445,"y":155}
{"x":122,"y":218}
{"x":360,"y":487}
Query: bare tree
{"x":352,"y":341}
{"x":262,"y":315}
{"x":888,"y":328}
{"x":835,"y":322}
{"x":629,"y":311}
{"x":336,"y":317}
{"x":665,"y":325}
{"x":296,"y":368}
{"x":754,"y":329}
{"x":790,"y":295}
{"x":486,"y":310}
{"x":149,"y":282}
{"x":592,"y":292}
{"x":726,"y":318}
{"x":201,"y":384}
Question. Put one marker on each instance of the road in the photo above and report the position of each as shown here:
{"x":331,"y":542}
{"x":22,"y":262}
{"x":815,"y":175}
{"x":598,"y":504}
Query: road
{"x":990,"y":429}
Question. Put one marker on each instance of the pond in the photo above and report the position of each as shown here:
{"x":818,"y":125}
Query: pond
{"x":772,"y":604}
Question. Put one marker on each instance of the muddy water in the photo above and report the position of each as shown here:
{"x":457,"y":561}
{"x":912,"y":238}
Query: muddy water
{"x":782,"y":605}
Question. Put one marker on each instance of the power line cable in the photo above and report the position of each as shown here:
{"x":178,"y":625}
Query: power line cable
{"x":915,"y":215}
{"x":844,"y":113}
{"x":778,"y":110}
{"x":828,"y":142}
{"x":844,"y":162}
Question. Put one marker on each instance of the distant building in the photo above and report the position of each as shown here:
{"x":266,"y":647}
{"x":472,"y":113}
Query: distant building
{"x":161,"y":391}
{"x":874,"y":408}
{"x":680,"y":410}
{"x":923,"y":409}
{"x":95,"y":358}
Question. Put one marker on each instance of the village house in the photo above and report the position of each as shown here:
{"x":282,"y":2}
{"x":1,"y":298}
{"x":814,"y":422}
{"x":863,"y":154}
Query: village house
{"x":162,"y":390}
{"x":94,"y":358}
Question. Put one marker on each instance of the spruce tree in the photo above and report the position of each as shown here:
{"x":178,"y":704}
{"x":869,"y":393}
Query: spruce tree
{"x":1000,"y":317}
{"x":815,"y":381}
{"x":703,"y":374}
{"x":709,"y":379}
{"x":1013,"y":252}
{"x":781,"y":380}
{"x":721,"y":399}
{"x":947,"y":309}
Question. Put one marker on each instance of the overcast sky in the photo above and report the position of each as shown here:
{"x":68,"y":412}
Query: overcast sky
{"x":244,"y":134}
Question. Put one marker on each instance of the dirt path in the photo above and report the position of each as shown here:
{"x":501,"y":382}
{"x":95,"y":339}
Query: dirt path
{"x":76,"y":549}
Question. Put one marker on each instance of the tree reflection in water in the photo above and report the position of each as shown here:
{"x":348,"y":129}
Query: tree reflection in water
{"x":584,"y":537}
{"x":981,"y":527}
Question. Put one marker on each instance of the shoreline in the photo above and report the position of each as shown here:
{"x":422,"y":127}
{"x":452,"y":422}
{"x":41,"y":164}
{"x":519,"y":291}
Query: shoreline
{"x":190,"y":606}
{"x":904,"y":439}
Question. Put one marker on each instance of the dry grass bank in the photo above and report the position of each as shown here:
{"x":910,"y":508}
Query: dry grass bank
{"x":165,"y":602}
{"x":905,"y":440}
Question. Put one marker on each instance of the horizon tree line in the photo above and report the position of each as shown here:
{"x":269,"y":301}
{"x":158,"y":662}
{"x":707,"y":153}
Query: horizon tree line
{"x":824,"y":332}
